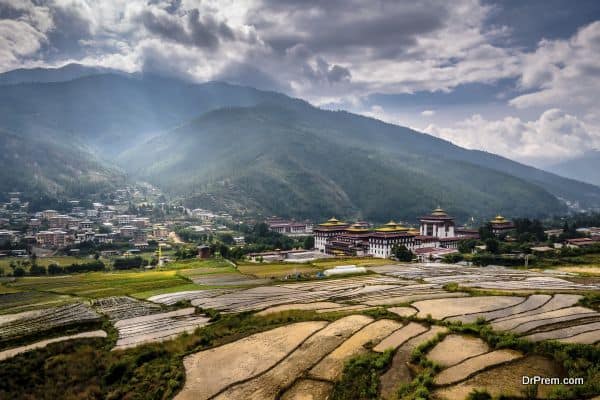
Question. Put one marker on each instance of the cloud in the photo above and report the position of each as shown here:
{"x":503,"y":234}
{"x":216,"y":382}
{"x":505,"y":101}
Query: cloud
{"x":333,"y":52}
{"x":191,"y":29}
{"x":553,"y":136}
{"x":563,"y":72}
{"x":23,"y":28}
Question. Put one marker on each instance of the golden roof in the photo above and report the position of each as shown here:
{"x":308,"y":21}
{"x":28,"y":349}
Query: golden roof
{"x":332,"y":222}
{"x":439,"y":212}
{"x":414,"y":231}
{"x":499,"y":219}
{"x":391,"y":227}
{"x":357,"y":228}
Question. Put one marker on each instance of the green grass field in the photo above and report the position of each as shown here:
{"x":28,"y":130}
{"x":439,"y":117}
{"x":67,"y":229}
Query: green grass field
{"x":28,"y":293}
{"x":267,"y":270}
{"x":101,"y":284}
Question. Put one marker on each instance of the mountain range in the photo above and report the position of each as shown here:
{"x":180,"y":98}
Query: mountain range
{"x":584,"y":167}
{"x":223,"y":146}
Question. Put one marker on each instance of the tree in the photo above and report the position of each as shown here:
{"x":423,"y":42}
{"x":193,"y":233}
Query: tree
{"x":466,"y":246}
{"x":479,"y":395}
{"x":226,"y":238}
{"x":185,"y":252}
{"x":492,"y":245}
{"x":224,"y":250}
{"x":54,"y":269}
{"x":402,"y":253}
{"x":309,"y":242}
{"x":485,"y":232}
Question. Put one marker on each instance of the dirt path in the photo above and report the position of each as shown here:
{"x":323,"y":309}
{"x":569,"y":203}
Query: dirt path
{"x":174,"y":237}
{"x":38,"y":345}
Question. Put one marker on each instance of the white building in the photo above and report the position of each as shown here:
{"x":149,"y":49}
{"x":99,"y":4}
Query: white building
{"x":437,"y":224}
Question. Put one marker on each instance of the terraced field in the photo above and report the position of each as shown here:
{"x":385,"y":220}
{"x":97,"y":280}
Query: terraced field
{"x":397,"y":308}
{"x":14,"y":326}
{"x":122,"y":307}
{"x":157,"y":327}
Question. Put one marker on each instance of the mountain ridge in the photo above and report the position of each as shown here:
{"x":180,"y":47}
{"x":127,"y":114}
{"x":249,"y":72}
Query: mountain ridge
{"x":130,"y":119}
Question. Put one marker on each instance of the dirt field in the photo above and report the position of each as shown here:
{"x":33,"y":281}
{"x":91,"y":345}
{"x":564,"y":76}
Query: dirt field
{"x":313,"y":327}
{"x":244,"y":359}
{"x":471,"y":366}
{"x":457,"y":348}
{"x":506,"y":379}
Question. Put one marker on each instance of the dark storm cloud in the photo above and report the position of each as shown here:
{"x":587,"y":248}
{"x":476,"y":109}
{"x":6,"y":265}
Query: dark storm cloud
{"x":323,"y":72}
{"x":329,"y":26}
{"x":196,"y":30}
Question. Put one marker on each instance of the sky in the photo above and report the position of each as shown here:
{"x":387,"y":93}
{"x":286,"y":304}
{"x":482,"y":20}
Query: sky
{"x":516,"y":78}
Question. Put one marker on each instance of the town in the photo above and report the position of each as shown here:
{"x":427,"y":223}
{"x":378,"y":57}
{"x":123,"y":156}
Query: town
{"x":137,"y":228}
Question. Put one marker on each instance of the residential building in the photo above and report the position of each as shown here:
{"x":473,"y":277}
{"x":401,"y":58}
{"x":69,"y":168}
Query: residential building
{"x":51,"y":238}
{"x":59,"y":221}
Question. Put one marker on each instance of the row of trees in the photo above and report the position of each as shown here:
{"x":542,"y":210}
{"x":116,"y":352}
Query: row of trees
{"x":22,"y":268}
{"x":258,"y":238}
{"x":32,"y":268}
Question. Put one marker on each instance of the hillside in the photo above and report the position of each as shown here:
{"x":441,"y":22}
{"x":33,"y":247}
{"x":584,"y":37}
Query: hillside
{"x":264,"y":158}
{"x":220,"y":145}
{"x":113,"y":112}
{"x":47,"y":172}
{"x":584,"y":167}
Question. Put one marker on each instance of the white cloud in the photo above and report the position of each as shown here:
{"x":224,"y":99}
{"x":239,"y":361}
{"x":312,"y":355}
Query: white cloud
{"x":553,"y":136}
{"x":332,"y":52}
{"x":563,"y":72}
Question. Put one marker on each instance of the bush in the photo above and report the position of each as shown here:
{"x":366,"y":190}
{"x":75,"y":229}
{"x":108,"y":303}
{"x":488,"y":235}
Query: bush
{"x":477,"y":394}
{"x":129,"y":263}
{"x":453,"y":258}
{"x":85,"y":267}
{"x":55,"y":269}
{"x":361,"y":377}
{"x":37,"y":270}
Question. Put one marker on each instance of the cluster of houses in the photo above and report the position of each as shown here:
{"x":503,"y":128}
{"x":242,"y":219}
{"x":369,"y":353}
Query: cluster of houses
{"x":98,"y":224}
